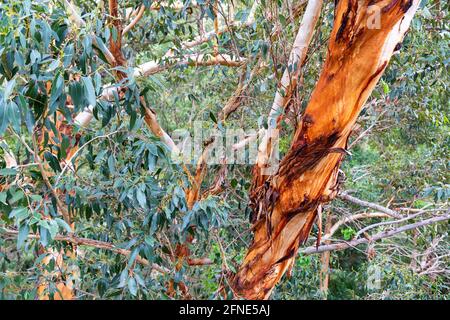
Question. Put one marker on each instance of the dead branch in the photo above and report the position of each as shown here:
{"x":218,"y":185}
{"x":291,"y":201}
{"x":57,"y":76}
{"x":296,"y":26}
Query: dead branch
{"x":136,"y":19}
{"x":409,"y":217}
{"x":90,"y":243}
{"x":376,"y":237}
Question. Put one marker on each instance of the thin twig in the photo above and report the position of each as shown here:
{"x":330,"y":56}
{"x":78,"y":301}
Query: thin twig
{"x":69,"y":161}
{"x":38,"y":160}
{"x":135,"y":20}
{"x":378,"y":236}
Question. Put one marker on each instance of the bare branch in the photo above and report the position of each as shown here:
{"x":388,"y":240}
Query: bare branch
{"x":199,"y":261}
{"x":412,"y":216}
{"x":234,"y":101}
{"x":376,"y":237}
{"x":367,"y":204}
{"x":135,"y":20}
{"x":152,"y":123}
{"x":364,"y":133}
{"x":153,"y":67}
{"x":290,"y":77}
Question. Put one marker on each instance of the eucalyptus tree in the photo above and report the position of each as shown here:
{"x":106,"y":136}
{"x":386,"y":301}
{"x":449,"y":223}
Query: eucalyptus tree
{"x":92,"y":182}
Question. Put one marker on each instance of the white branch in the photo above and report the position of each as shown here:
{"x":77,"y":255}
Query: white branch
{"x":398,"y":32}
{"x":290,"y":76}
{"x":376,"y":237}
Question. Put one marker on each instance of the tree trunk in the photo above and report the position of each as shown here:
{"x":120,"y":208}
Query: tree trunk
{"x":285,"y":204}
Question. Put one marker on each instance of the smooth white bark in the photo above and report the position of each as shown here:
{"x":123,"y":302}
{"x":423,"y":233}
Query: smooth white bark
{"x":290,"y":76}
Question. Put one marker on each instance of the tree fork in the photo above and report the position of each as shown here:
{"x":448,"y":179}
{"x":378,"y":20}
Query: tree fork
{"x":284,"y":205}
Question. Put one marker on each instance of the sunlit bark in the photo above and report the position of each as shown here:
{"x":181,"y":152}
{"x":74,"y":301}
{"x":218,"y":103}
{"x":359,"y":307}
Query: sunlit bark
{"x":285,"y":204}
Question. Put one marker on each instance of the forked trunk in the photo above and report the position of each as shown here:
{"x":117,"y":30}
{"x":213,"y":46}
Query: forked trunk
{"x":364,"y":37}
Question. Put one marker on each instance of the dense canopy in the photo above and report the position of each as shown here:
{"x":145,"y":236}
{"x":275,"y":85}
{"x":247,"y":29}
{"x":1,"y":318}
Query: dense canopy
{"x":219,"y":149}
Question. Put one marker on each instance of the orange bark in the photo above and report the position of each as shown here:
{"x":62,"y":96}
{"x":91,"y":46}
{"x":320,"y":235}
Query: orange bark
{"x":285,"y":204}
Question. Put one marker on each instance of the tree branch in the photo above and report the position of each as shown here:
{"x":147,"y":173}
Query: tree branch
{"x":199,"y":261}
{"x":376,"y":237}
{"x":155,"y":128}
{"x":290,"y":77}
{"x":35,"y":153}
{"x":80,"y":23}
{"x":352,"y":218}
{"x":367,"y":204}
{"x":153,"y":67}
{"x":91,"y":243}
{"x":115,"y":46}
{"x":135,"y":20}
{"x":210,"y":35}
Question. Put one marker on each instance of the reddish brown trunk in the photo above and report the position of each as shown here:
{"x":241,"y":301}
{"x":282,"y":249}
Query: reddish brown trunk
{"x":285,"y":204}
{"x":115,"y":40}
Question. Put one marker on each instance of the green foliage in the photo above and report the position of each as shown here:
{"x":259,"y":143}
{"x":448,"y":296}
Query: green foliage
{"x":121,"y":188}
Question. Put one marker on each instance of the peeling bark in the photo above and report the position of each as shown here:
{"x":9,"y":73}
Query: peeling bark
{"x":285,"y":205}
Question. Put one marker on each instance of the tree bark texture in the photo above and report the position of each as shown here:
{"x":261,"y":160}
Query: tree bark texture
{"x":284,"y":205}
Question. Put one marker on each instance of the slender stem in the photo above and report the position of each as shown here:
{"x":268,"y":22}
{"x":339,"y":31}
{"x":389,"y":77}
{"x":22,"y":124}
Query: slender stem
{"x":40,"y":165}
{"x":135,"y":20}
{"x":381,"y":235}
